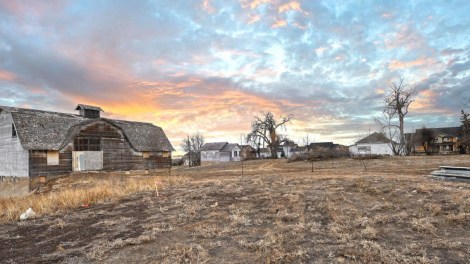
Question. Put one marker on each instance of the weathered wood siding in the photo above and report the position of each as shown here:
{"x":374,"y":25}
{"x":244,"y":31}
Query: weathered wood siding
{"x":13,"y":158}
{"x":118,"y":155}
{"x":38,"y":163}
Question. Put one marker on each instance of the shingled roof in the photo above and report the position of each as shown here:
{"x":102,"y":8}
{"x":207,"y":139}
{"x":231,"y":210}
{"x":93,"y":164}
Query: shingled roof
{"x":376,"y":138}
{"x":214,"y":146}
{"x":230,"y":147}
{"x":88,"y":107}
{"x":451,"y":131}
{"x":44,"y":130}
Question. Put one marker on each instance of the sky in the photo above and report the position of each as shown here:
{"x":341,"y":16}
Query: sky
{"x":211,"y":66}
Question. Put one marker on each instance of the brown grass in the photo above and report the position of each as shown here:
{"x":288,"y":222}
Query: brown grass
{"x":278,"y":212}
{"x":80,"y":193}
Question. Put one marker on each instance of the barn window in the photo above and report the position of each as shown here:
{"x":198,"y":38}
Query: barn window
{"x":87,"y":144}
{"x":13,"y":130}
{"x":52,"y":157}
{"x":146,"y":154}
{"x":166,"y":154}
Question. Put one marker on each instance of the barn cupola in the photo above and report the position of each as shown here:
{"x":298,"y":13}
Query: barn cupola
{"x":89,"y":111}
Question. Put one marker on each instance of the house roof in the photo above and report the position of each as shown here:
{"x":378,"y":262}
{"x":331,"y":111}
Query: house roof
{"x":44,"y":130}
{"x":213,"y":146}
{"x":250,"y":148}
{"x":451,"y":131}
{"x":296,"y":149}
{"x":320,"y":145}
{"x":374,"y":138}
{"x":230,"y":147}
{"x":88,"y":107}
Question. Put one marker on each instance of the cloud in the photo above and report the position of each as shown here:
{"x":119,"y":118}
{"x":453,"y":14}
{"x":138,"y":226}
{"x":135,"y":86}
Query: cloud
{"x":291,"y":6}
{"x":210,"y":65}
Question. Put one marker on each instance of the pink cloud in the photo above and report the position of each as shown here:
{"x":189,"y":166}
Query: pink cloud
{"x":7,"y":76}
{"x":279,"y":23}
{"x":396,"y":64}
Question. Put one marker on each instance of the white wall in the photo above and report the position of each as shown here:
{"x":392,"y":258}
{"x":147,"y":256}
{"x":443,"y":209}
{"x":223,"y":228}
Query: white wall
{"x":210,"y":155}
{"x":375,"y":149}
{"x":14,"y":160}
{"x":237,"y":157}
{"x":225,"y":157}
{"x":87,"y":160}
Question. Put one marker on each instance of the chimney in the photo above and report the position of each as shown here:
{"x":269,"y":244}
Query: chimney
{"x":89,"y":111}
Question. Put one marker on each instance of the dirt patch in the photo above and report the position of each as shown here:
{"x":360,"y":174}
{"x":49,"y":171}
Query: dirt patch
{"x":277,"y":212}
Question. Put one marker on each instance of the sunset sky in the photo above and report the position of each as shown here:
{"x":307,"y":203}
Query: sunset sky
{"x":210,"y":66}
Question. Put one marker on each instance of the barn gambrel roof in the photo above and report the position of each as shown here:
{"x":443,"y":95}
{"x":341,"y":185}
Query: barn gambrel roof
{"x":45,"y":130}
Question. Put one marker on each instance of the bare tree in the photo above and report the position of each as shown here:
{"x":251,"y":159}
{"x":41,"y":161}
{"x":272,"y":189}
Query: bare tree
{"x":392,"y":122}
{"x":426,"y":138}
{"x":265,"y":129}
{"x":192,"y":146}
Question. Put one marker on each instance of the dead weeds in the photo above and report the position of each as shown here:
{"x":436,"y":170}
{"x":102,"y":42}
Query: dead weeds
{"x":283,"y":213}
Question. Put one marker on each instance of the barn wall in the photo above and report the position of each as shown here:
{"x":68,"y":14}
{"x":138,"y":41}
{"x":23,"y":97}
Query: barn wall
{"x":38,"y":163}
{"x":116,"y":152}
{"x":13,"y":158}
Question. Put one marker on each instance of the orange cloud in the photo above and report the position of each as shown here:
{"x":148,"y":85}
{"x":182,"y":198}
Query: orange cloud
{"x":255,"y":3}
{"x":425,"y":101}
{"x":279,"y":23}
{"x":289,"y":6}
{"x":7,"y":76}
{"x":396,"y":64}
{"x":254,"y":19}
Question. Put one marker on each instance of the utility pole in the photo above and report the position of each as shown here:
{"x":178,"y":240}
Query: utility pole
{"x":189,"y":153}
{"x":241,"y":151}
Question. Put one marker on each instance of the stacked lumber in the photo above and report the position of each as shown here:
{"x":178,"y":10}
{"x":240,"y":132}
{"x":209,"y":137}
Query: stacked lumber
{"x":452,"y":172}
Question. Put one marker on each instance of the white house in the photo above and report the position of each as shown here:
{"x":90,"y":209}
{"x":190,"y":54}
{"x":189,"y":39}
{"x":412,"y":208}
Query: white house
{"x":220,"y":152}
{"x":374,"y":144}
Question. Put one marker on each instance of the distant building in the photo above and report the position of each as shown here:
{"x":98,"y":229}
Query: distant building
{"x":264,"y":153}
{"x":220,"y":152}
{"x":42,"y":143}
{"x":374,"y":144}
{"x":320,"y":146}
{"x":445,"y":140}
{"x":248,"y":152}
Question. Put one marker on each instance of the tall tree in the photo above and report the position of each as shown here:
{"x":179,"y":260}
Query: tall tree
{"x":426,"y":138}
{"x":464,"y":137}
{"x":192,"y":146}
{"x":392,"y":123}
{"x":265,"y":129}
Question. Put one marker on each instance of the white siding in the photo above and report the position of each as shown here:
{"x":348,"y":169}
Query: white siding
{"x":224,"y":156}
{"x":372,"y":149}
{"x":14,"y":160}
{"x":210,"y":155}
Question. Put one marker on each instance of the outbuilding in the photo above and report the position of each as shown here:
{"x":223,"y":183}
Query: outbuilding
{"x":43,"y":143}
{"x":374,"y":144}
{"x":220,"y":152}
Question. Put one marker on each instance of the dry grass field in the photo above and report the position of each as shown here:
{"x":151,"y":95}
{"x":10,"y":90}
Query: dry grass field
{"x":278,"y":212}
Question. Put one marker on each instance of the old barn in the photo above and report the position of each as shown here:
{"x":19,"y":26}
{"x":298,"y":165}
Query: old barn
{"x":42,"y":143}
